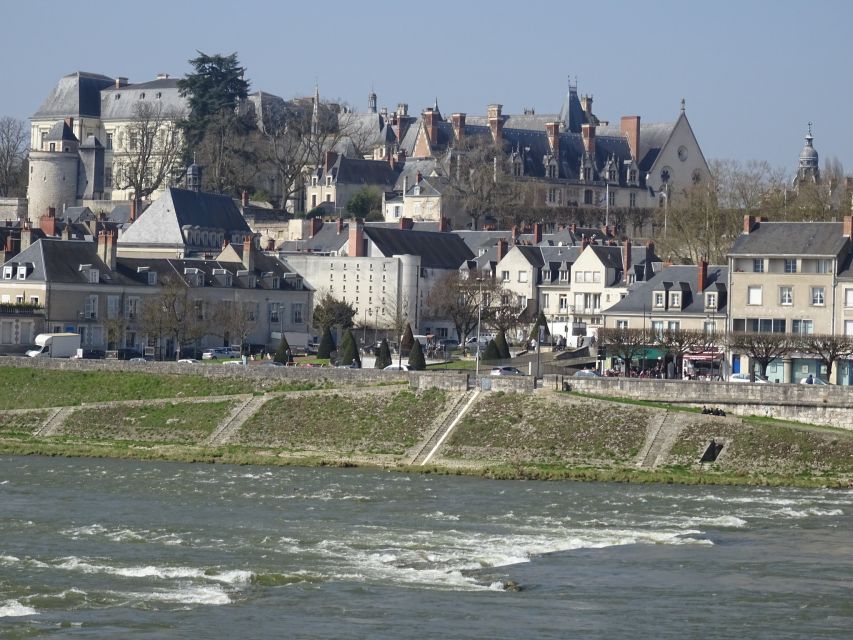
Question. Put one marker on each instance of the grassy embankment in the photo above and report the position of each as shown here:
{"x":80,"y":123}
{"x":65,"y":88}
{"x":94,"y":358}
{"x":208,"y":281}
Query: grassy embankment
{"x":559,"y":436}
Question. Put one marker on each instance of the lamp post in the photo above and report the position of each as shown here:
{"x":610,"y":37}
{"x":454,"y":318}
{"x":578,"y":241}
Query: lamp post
{"x":479,"y":317}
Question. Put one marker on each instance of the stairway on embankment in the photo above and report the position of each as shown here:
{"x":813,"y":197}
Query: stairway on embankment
{"x":427,"y":450}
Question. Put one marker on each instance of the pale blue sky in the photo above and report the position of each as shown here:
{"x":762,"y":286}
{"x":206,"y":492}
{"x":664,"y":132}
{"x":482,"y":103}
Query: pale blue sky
{"x":753,"y":73}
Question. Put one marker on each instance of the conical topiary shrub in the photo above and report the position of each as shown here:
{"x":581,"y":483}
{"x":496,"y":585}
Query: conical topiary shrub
{"x":327,"y":345}
{"x":540,"y":322}
{"x":383,"y":358}
{"x":416,"y":357}
{"x":503,"y":347}
{"x":348,"y":351}
{"x":283,"y":353}
{"x":407,"y":341}
{"x":491,"y":353}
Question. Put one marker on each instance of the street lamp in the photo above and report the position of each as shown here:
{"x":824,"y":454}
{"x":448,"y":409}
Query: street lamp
{"x":479,"y":317}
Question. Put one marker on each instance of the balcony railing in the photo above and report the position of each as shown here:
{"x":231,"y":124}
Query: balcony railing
{"x":20,"y":309}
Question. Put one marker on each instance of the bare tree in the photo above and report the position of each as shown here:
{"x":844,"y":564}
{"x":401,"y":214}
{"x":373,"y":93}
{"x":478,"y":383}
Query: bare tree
{"x":761,"y":347}
{"x":680,"y":342}
{"x":13,"y":145}
{"x":397,"y":311}
{"x":236,"y":320}
{"x":625,"y":343}
{"x":828,"y":348}
{"x":463,"y":301}
{"x":175,"y":314}
{"x":154,"y":148}
{"x":505,"y":312}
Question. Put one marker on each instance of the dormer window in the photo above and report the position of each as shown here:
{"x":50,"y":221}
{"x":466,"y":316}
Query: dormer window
{"x":711,"y":301}
{"x":22,"y":272}
{"x":276,"y":283}
{"x":675,"y":300}
{"x":152,"y":278}
{"x":660,"y":298}
{"x":314,"y":181}
{"x":632,"y":176}
{"x":7,"y":272}
{"x":94,"y":276}
{"x":328,"y":181}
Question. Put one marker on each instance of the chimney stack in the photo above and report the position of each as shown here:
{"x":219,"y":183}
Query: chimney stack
{"x":244,"y":198}
{"x":749,"y":223}
{"x":314,"y":226}
{"x":329,"y":158}
{"x":584,"y":242}
{"x":444,"y":224}
{"x":537,"y":233}
{"x":47,"y":223}
{"x":586,"y":104}
{"x":553,"y":129}
{"x":573,"y":228}
{"x":356,"y":239}
{"x":702,"y":274}
{"x":406,"y":224}
{"x":26,"y":236}
{"x":121,"y":82}
{"x":630,"y":128}
{"x":249,"y":253}
{"x":458,"y":120}
{"x":496,"y":122}
{"x":70,"y":122}
{"x":431,"y":125}
{"x":848,"y":226}
{"x":339,"y":225}
{"x":514,"y":234}
{"x":626,"y":261}
{"x":503,"y":246}
{"x":588,"y":132}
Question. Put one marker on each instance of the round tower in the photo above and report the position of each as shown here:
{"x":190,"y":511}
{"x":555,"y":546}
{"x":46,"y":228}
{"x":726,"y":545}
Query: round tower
{"x":809,"y":168}
{"x":52,"y":182}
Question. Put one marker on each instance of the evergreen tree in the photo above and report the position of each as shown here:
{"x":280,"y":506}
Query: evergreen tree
{"x":348,"y":351}
{"x":408,"y":340}
{"x":327,"y":344}
{"x":416,"y":357}
{"x":503,"y":347}
{"x":540,"y":322}
{"x":383,"y":358}
{"x":283,"y":354}
{"x":491,"y":352}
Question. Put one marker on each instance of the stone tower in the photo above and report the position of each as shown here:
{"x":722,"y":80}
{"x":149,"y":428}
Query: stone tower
{"x":54,"y":171}
{"x":808,"y":169}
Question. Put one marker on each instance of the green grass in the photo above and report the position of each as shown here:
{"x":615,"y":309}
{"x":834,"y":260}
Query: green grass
{"x":370,"y":423}
{"x":22,"y":388}
{"x":523,"y":428}
{"x":21,"y":424}
{"x":166,"y":423}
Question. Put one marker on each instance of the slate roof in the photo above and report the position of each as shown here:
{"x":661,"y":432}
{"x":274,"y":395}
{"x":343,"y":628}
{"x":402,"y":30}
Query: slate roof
{"x":437,"y":250}
{"x":685,"y":277}
{"x":60,"y":131}
{"x":163,"y":221}
{"x":77,"y":94}
{"x":123,"y":108}
{"x":366,"y":172}
{"x":791,"y":239}
{"x":59,"y":261}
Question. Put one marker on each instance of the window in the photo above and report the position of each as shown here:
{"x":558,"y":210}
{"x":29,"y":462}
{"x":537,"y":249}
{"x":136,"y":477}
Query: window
{"x":108,"y":177}
{"x":112,"y":307}
{"x":710,"y":300}
{"x":632,"y":200}
{"x":91,"y":307}
{"x":848,"y":297}
{"x":802,"y":327}
{"x":152,"y":278}
{"x":790,"y":265}
{"x":109,"y":140}
{"x":675,"y":300}
{"x":34,"y":300}
{"x":198,"y":309}
{"x":611,"y":196}
{"x":328,"y":181}
{"x":709,"y":327}
{"x":297,"y":313}
{"x":522,"y":276}
{"x":22,"y":272}
{"x":673,"y":325}
{"x":132,"y":308}
{"x":848,"y":327}
{"x":786,"y":296}
{"x":823,"y":266}
{"x":657,"y":327}
{"x":552,"y":195}
{"x":7,"y":273}
{"x":587,"y":195}
{"x":659,"y":298}
{"x":578,"y":276}
{"x":563,"y":302}
{"x":753,"y":295}
{"x":755,"y":325}
{"x":758,"y":265}
{"x":564,"y":275}
{"x":622,"y":324}
{"x":817,"y":296}
{"x":94,"y":276}
{"x":546,"y":300}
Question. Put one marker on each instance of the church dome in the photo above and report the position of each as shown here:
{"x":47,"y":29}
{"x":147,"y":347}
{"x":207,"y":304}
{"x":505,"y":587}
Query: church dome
{"x":808,"y":156}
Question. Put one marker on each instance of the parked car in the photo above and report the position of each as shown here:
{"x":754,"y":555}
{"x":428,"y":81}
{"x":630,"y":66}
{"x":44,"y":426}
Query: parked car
{"x":448,"y":344}
{"x":815,"y":380}
{"x":397,"y":367}
{"x":140,"y":360}
{"x":505,"y":371}
{"x":238,"y":363}
{"x":744,"y":377}
{"x":220,"y":352}
{"x":189,"y":361}
{"x":127,"y":354}
{"x":272,"y":363}
{"x":587,"y":373}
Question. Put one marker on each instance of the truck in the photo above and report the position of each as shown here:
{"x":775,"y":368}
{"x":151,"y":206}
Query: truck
{"x":55,"y":345}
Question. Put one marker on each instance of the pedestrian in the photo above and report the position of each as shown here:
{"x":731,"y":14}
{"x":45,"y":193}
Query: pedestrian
{"x":810,"y":379}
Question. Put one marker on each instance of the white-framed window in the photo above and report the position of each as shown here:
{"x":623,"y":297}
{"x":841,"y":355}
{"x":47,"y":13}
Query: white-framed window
{"x":546,"y":300}
{"x":91,"y":307}
{"x":112,"y":307}
{"x":673,"y":325}
{"x":659,"y":299}
{"x":818,"y":296}
{"x":563,"y":301}
{"x":710,"y":300}
{"x":622,"y":324}
{"x":657,"y":327}
{"x":34,"y":300}
{"x":296,"y":312}
{"x":274,"y":309}
{"x":94,"y":276}
{"x":823,"y":266}
{"x":786,"y":296}
{"x":753,"y":295}
{"x":578,"y":276}
{"x":790,"y":265}
{"x":7,"y":272}
{"x":522,"y":276}
{"x":675,"y":300}
{"x":611,"y":196}
{"x":758,"y":265}
{"x":632,"y":200}
{"x":802,"y":327}
{"x":848,"y":297}
{"x":848,"y":327}
{"x":132,"y":308}
{"x":709,"y":327}
{"x":22,"y":272}
{"x":152,"y":278}
{"x":564,"y":275}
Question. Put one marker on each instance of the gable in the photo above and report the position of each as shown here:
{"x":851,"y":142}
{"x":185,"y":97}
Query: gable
{"x":681,"y":156}
{"x":422,"y":148}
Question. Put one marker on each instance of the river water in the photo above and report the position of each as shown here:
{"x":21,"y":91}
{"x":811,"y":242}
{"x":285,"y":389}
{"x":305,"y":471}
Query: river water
{"x":111,"y":548}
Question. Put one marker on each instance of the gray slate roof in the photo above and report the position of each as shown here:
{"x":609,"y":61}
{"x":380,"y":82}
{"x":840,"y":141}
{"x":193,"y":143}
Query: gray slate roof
{"x":77,"y":94}
{"x":123,"y":108}
{"x":59,"y":261}
{"x":793,"y":239}
{"x":685,"y":277}
{"x":437,"y":250}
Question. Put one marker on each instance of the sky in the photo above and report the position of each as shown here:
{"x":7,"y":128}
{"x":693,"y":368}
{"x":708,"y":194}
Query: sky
{"x":753,"y":74}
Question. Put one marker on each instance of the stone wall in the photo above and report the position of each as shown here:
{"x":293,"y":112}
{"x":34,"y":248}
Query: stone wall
{"x":818,"y":404}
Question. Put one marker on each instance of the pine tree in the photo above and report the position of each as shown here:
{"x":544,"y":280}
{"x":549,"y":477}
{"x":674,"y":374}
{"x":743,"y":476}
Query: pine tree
{"x":491,"y":352}
{"x":348,"y":351}
{"x":383,"y":358}
{"x":503,"y":347}
{"x":416,"y":357}
{"x":283,"y":354}
{"x":540,"y":322}
{"x":327,"y":345}
{"x":408,"y":340}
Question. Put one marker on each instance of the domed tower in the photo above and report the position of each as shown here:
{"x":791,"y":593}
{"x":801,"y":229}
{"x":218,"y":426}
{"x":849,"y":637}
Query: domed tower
{"x":194,"y":177}
{"x":54,"y":171}
{"x":808,"y":169}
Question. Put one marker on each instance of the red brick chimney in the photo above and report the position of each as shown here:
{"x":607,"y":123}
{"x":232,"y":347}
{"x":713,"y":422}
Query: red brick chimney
{"x":573,"y":228}
{"x":314,"y":226}
{"x":458,"y":120}
{"x":339,"y":225}
{"x":553,"y":129}
{"x":431,"y":125}
{"x":514,"y":234}
{"x":133,"y":209}
{"x":418,"y":177}
{"x":584,"y":242}
{"x":356,"y":239}
{"x":244,"y":198}
{"x":537,"y":233}
{"x":848,"y":226}
{"x":702,"y":276}
{"x":749,"y":223}
{"x":588,"y":132}
{"x":503,"y":246}
{"x":329,"y":158}
{"x":271,"y":244}
{"x":626,"y":261}
{"x":444,"y":224}
{"x":650,"y":249}
{"x":406,"y":224}
{"x":630,"y":128}
{"x":26,"y":236}
{"x":249,"y":253}
{"x":47,"y":223}
{"x":496,"y":122}
{"x":107,"y":248}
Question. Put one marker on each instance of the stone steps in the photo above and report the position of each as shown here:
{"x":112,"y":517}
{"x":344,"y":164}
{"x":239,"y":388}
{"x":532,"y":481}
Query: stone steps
{"x":440,"y":433}
{"x":238,"y":416}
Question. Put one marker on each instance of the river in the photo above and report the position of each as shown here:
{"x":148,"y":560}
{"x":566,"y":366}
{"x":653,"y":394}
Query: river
{"x":113,"y":548}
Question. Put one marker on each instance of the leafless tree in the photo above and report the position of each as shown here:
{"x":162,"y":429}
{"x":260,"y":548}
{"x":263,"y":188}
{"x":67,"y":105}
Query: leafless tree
{"x":236,"y":320}
{"x":505,"y":311}
{"x":174,"y":313}
{"x":154,"y":148}
{"x":828,"y":348}
{"x":463,"y":301}
{"x":680,"y":342}
{"x":761,"y":347}
{"x":624,"y":343}
{"x":13,"y":146}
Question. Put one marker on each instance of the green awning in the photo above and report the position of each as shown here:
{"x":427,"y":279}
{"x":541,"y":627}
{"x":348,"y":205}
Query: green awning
{"x":650,"y":354}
